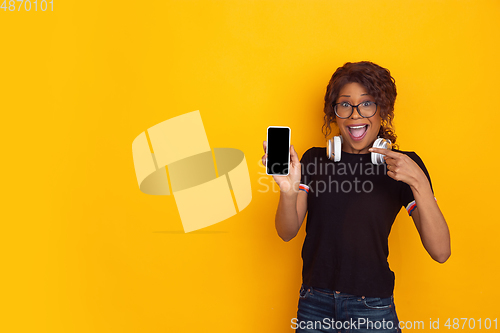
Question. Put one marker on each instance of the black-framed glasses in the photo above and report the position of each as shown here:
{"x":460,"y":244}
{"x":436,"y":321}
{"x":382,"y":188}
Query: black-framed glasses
{"x":366,"y":109}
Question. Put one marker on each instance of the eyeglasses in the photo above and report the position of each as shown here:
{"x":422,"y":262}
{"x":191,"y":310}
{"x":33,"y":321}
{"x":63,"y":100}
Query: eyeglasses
{"x":344,"y":110}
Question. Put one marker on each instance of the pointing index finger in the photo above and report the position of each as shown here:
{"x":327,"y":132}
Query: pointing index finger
{"x":384,"y":151}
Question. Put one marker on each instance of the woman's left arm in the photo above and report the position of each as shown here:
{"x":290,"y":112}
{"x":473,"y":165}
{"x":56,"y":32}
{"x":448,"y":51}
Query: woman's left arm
{"x":427,"y":216}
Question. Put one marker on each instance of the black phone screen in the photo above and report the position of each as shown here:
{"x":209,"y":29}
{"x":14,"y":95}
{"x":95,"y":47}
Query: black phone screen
{"x":278,"y":150}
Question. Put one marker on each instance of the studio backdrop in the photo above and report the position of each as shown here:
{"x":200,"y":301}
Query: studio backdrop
{"x":94,"y":97}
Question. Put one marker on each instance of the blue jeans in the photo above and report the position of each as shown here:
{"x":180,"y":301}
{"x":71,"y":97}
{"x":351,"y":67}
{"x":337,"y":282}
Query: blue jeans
{"x":323,"y":310}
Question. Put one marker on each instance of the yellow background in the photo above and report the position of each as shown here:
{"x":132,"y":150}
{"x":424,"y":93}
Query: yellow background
{"x":83,"y":250}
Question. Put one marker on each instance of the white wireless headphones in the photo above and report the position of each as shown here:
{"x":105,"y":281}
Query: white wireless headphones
{"x":334,"y":149}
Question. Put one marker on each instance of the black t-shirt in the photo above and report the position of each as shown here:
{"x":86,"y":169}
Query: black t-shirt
{"x":352,"y":205}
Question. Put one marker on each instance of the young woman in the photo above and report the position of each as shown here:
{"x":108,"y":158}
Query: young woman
{"x":351,"y":205}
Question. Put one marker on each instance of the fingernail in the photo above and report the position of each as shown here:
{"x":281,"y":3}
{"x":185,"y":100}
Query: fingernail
{"x":371,"y":149}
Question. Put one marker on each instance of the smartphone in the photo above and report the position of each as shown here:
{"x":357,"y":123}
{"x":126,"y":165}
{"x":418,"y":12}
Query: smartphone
{"x":278,"y":150}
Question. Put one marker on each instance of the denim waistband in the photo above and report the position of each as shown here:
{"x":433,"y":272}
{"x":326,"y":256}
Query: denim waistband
{"x":333,"y":293}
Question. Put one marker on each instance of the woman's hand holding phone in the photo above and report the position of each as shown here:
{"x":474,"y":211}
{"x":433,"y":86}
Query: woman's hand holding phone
{"x":288,"y":184}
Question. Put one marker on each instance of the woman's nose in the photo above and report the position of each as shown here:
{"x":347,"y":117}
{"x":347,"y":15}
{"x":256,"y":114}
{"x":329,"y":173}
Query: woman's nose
{"x":355,"y":113}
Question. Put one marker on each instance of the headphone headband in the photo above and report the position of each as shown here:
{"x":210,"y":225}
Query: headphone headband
{"x":334,"y":149}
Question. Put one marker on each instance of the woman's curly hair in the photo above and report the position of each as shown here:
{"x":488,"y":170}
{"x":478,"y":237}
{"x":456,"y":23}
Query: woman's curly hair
{"x":377,"y":81}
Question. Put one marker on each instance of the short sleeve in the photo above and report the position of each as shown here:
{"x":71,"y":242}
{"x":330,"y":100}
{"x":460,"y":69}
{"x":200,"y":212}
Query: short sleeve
{"x":305,"y":178}
{"x":407,"y":199}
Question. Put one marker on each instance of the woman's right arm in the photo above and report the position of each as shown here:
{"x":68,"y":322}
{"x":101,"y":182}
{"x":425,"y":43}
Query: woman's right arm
{"x":291,"y":212}
{"x":292,"y":206}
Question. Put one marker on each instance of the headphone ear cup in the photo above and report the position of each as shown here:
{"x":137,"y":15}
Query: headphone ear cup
{"x":377,"y":158}
{"x":329,"y":148}
{"x":337,"y":146}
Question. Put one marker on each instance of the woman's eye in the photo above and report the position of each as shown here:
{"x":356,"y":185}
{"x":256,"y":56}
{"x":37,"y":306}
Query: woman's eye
{"x":367,"y":103}
{"x":345,"y":104}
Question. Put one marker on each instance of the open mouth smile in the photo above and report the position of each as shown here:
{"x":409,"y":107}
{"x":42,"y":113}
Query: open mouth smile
{"x":358,"y":132}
